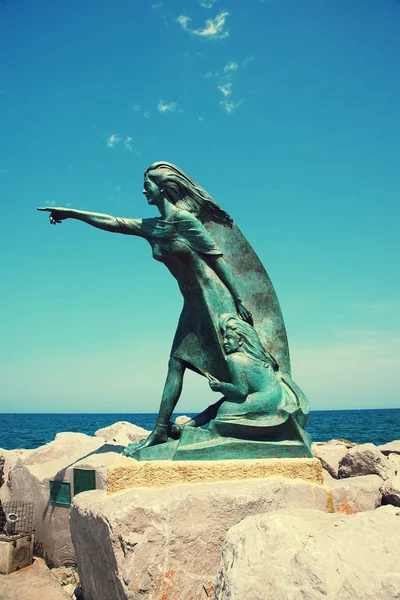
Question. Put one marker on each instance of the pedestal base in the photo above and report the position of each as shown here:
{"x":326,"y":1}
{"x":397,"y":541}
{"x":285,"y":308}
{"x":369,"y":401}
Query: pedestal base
{"x":203,"y":444}
{"x":129,"y":473}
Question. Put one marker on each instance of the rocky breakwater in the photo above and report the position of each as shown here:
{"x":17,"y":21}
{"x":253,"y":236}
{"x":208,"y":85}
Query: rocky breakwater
{"x":166,"y":543}
{"x":360,"y":476}
{"x":46,"y":476}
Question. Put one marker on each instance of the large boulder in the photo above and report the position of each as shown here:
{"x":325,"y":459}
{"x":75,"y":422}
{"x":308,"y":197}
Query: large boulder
{"x":303,"y":554}
{"x":29,"y":480}
{"x":8,"y":460}
{"x":182,"y":419}
{"x":364,"y":459}
{"x":390,"y":488}
{"x":394,"y":464}
{"x":390,"y":448}
{"x":122,"y":433}
{"x":166,"y":543}
{"x":329,"y":455}
{"x":355,"y":494}
{"x":32,"y":583}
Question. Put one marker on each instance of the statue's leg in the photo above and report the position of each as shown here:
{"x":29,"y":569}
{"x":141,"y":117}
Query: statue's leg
{"x":171,"y":394}
{"x":205,"y":417}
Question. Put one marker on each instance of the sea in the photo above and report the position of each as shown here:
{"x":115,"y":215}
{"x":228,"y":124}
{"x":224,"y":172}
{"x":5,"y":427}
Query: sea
{"x":19,"y":430}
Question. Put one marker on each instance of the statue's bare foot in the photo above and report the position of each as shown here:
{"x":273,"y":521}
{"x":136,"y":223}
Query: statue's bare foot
{"x":158,"y":436}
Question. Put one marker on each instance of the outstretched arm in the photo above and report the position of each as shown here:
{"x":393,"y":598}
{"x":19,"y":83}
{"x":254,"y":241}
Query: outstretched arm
{"x":105,"y":222}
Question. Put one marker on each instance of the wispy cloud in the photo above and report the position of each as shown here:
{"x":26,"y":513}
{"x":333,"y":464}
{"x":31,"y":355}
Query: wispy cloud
{"x":116,"y":138}
{"x":156,"y":5}
{"x":166,"y":107}
{"x":127,"y":143}
{"x":226,"y":89}
{"x":184,"y":21}
{"x":147,"y":114}
{"x":230,"y":107}
{"x":226,"y":86}
{"x":207,"y":3}
{"x":230,"y":67}
{"x":50,"y":203}
{"x":113,"y":139}
{"x":247,"y":61}
{"x":136,"y":107}
{"x":212,"y":29}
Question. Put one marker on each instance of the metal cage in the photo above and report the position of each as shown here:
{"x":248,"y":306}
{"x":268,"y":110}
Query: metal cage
{"x":15,"y":518}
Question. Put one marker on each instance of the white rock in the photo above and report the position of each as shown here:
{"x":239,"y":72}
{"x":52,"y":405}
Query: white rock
{"x":364,"y":459}
{"x":390,"y":448}
{"x":329,"y":455}
{"x":355,"y":494}
{"x":309,"y":555}
{"x":182,"y":419}
{"x":394,"y":464}
{"x":32,"y":583}
{"x":166,"y":543}
{"x":69,"y":589}
{"x":122,"y":433}
{"x":8,"y":460}
{"x":30,"y":481}
{"x":390,"y":490}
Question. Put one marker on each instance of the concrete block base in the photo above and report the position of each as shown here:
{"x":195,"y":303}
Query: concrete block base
{"x":15,"y":552}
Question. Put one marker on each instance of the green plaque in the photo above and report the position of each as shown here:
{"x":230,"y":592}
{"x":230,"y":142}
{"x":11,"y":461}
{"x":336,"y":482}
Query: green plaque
{"x":60,"y":493}
{"x":84,"y":480}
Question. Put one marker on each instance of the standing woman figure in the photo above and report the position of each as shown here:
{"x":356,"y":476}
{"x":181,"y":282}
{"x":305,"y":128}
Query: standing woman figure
{"x":188,"y":238}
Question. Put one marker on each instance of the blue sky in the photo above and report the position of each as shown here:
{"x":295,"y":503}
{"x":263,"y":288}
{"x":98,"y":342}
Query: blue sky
{"x":286,"y":111}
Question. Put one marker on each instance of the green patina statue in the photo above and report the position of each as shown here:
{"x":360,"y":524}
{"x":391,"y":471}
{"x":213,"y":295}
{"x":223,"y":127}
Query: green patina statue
{"x":226,"y":291}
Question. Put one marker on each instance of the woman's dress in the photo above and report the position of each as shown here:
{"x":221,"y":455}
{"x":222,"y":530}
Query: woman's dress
{"x":186,"y":246}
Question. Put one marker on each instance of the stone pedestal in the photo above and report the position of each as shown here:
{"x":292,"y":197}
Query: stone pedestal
{"x":129,"y":473}
{"x":15,"y":552}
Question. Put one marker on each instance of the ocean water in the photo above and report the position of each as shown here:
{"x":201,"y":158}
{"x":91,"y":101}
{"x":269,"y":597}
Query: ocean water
{"x":378,"y":426}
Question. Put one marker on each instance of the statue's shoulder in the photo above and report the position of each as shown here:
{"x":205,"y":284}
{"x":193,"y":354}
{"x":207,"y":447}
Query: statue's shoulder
{"x":148,"y":226}
{"x":184,"y":215}
{"x":237,"y":361}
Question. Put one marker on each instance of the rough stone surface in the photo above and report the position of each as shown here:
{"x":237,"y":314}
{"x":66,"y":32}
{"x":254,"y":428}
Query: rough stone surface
{"x":390,"y":448}
{"x":355,"y":494}
{"x":364,"y":459}
{"x":69,"y":589}
{"x":8,"y":460}
{"x":33,"y":583}
{"x":127,"y":472}
{"x":182,"y":419}
{"x":329,"y":455}
{"x":390,"y":490}
{"x":336,"y":442}
{"x":122,"y":433}
{"x":152,"y":543}
{"x":29,"y":481}
{"x":66,"y":575}
{"x":394,"y":464}
{"x":309,"y":555}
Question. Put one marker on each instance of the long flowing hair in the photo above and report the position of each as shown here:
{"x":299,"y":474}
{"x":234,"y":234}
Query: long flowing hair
{"x":186,"y":193}
{"x":251,"y":345}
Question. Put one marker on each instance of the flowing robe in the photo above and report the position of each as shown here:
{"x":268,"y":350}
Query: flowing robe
{"x":185,"y":246}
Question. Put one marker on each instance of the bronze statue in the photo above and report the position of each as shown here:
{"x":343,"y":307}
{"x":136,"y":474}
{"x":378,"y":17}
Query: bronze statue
{"x":217,"y":272}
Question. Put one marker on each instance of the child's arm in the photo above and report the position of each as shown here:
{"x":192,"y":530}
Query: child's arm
{"x":239,"y":388}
